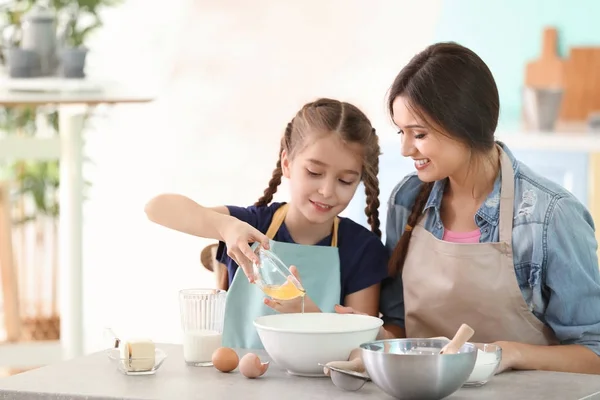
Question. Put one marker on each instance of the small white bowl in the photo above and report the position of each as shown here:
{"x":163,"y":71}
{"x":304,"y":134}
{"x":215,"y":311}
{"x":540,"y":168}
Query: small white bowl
{"x":300,"y":342}
{"x":488,"y":360}
{"x":159,"y":358}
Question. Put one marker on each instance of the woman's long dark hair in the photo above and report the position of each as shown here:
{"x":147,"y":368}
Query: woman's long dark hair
{"x":450,"y":87}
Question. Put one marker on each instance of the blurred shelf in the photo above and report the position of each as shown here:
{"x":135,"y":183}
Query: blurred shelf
{"x":30,"y":354}
{"x":29,"y":148}
{"x":571,"y":137}
{"x":558,"y":141}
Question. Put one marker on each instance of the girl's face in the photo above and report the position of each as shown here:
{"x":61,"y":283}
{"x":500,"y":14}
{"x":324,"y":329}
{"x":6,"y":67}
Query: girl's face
{"x":436,"y":155}
{"x":323,"y":177}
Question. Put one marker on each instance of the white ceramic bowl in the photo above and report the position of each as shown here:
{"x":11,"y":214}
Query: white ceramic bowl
{"x":299,"y":342}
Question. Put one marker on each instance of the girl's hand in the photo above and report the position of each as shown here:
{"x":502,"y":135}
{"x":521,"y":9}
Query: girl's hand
{"x":383,"y":334}
{"x":347,"y":310}
{"x":293,"y":305}
{"x":237,"y":234}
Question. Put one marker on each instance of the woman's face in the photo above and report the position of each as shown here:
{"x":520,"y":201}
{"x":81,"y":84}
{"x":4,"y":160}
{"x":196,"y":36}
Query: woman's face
{"x":436,"y":155}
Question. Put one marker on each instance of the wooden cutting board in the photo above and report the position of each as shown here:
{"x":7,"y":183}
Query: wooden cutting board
{"x":582,"y":84}
{"x":548,"y":70}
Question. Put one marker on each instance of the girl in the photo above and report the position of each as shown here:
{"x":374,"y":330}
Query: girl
{"x":477,"y":236}
{"x":327,"y":149}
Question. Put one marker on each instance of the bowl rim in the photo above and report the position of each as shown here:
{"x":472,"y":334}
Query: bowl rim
{"x":363,"y":346}
{"x":376,"y":325}
{"x":482,"y":346}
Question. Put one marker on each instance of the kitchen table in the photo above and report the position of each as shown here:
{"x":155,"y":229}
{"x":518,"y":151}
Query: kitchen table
{"x":74,"y":98}
{"x":95,"y":376}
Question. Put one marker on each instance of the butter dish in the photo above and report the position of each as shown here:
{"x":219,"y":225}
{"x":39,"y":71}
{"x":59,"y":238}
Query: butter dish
{"x":143,"y":363}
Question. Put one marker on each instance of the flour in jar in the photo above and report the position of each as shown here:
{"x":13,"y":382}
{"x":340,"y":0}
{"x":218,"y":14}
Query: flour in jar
{"x":485,"y":366}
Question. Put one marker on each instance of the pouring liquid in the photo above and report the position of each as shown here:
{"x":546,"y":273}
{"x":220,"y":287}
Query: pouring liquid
{"x":287,"y":291}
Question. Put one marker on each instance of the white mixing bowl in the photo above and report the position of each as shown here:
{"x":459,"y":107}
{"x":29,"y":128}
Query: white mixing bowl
{"x":299,"y":342}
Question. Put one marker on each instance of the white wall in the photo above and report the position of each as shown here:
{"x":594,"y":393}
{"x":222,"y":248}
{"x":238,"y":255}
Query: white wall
{"x":230,"y":75}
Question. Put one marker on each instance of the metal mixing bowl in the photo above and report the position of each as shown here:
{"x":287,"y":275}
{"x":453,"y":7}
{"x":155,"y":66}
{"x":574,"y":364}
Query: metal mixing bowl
{"x":413,"y":368}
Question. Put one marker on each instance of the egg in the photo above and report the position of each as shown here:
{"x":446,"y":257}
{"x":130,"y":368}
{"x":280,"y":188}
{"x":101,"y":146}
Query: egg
{"x":225,"y":359}
{"x":251,"y":367}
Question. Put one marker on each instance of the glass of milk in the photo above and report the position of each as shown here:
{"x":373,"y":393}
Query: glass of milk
{"x":488,"y":360}
{"x":202,"y":317}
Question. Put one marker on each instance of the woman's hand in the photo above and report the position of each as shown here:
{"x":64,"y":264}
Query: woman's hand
{"x":293,"y":305}
{"x":571,"y":358}
{"x":237,"y":234}
{"x":510,"y":356}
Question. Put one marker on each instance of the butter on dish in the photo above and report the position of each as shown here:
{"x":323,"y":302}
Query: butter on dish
{"x":138,"y":355}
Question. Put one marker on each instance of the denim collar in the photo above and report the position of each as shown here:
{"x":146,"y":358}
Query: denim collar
{"x":490,"y":209}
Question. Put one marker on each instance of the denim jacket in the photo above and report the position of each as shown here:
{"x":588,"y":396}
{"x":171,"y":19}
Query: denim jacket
{"x":554,"y":251}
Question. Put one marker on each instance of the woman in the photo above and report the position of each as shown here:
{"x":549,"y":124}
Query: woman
{"x":478,"y":237}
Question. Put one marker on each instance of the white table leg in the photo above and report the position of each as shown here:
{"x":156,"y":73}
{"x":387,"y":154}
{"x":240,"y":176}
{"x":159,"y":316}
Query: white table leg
{"x":70,"y":231}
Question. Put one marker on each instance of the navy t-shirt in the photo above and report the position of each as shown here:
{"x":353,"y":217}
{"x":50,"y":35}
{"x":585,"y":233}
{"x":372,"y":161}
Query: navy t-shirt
{"x":363,"y":256}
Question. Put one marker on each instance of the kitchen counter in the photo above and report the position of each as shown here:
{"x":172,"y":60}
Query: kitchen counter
{"x":95,"y":376}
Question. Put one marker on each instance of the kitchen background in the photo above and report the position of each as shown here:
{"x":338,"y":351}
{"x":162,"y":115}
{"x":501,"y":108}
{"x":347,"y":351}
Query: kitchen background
{"x":228,"y":76}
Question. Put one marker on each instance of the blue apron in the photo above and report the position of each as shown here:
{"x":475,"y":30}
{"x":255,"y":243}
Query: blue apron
{"x":319,"y":270}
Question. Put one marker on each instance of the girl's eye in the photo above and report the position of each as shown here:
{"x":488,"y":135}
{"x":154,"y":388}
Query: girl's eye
{"x":419,"y":136}
{"x":312,"y":173}
{"x":345,"y":182}
{"x":400,"y":132}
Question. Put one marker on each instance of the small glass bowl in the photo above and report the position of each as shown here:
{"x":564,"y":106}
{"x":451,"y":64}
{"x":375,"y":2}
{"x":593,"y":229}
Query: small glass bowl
{"x":137,"y":366}
{"x":270,"y":271}
{"x":488,"y":360}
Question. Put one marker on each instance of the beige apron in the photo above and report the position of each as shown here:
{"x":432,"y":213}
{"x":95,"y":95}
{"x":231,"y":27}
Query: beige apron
{"x":447,"y":284}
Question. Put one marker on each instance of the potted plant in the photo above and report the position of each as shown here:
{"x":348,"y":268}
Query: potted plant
{"x":74,"y":52}
{"x":19,"y":62}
